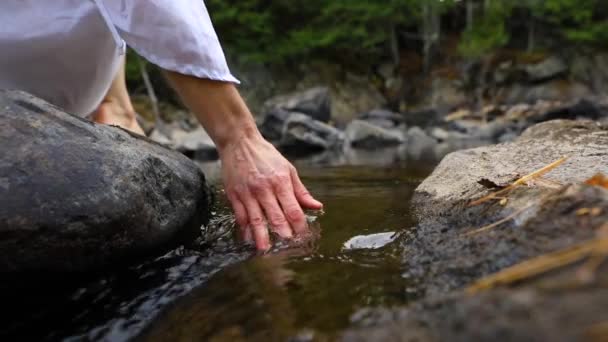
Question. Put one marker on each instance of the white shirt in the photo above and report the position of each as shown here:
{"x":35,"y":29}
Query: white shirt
{"x":68,"y":51}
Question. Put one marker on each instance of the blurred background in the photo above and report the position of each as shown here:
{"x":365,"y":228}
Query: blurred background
{"x":396,"y":64}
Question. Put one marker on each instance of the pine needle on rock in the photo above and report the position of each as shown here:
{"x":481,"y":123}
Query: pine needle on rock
{"x":521,"y":181}
{"x":596,"y":249}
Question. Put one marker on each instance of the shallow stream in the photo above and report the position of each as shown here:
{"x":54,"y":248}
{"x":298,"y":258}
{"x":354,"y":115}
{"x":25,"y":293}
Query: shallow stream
{"x":220,"y":291}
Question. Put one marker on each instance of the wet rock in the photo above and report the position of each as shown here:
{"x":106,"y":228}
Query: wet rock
{"x":194,"y":143}
{"x":419,"y":143}
{"x":353,"y":95}
{"x":443,"y":257}
{"x":274,"y":123}
{"x":78,"y":196}
{"x":314,"y":102}
{"x":582,"y":109}
{"x":303,"y":133}
{"x":549,"y":68}
{"x":362,"y":134}
{"x":423,"y":117}
{"x":383,"y":118}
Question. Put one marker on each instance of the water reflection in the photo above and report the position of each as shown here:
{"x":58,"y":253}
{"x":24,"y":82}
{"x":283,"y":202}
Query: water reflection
{"x":219,"y":290}
{"x":311,"y":292}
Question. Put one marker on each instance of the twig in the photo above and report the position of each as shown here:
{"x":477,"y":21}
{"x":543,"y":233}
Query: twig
{"x":499,"y":222}
{"x":521,"y":181}
{"x":149,"y":89}
{"x":541,"y":264}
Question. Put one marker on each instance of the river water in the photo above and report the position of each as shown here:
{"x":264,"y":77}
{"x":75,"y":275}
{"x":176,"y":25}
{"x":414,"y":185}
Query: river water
{"x":219,"y":290}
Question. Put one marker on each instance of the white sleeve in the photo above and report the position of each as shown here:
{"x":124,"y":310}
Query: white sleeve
{"x":176,"y":35}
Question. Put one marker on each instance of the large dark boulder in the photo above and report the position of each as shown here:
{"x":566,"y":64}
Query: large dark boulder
{"x":79,"y":196}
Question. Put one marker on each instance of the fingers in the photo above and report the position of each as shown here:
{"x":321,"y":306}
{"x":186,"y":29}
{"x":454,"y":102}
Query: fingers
{"x":291,"y":208}
{"x":302,"y":195}
{"x":263,"y":191}
{"x":240,"y":213}
{"x":257,"y":224}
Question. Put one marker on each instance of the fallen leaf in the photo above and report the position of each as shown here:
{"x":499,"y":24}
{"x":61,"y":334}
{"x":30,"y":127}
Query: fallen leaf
{"x":598,"y":180}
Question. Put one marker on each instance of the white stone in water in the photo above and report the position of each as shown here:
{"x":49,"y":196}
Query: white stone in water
{"x":372,"y":241}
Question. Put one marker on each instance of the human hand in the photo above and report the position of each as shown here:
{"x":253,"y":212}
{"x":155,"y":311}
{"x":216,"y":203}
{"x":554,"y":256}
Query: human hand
{"x":262,"y":186}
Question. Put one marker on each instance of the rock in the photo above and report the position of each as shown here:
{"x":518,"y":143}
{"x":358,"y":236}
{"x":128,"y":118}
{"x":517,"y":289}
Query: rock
{"x":440,"y":200}
{"x":423,"y":117}
{"x":362,"y":134}
{"x":314,"y":102}
{"x":356,"y":94}
{"x":302,"y":133}
{"x":556,"y":90}
{"x":273,"y":124}
{"x":195,"y":143}
{"x":383,"y":118}
{"x":79,"y":196}
{"x":443,"y":258}
{"x":386,"y":70}
{"x":371,"y":241}
{"x":549,"y":68}
{"x":582,"y":109}
{"x":419,"y":143}
{"x":446,"y":94}
{"x":440,"y":134}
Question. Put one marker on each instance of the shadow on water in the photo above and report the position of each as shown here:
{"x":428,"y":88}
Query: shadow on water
{"x":224,"y":294}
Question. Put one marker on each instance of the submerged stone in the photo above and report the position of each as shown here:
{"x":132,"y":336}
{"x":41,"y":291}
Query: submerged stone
{"x":79,"y":196}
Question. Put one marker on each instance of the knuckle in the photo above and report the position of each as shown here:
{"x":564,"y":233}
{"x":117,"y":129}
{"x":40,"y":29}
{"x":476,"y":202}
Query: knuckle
{"x":239,"y":189}
{"x":294,"y":214}
{"x":303,"y":193}
{"x":256,"y":221}
{"x":258,"y":185}
{"x":277,"y":219}
{"x":280,"y":179}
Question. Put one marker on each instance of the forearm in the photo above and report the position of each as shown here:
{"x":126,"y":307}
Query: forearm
{"x":218,"y":106}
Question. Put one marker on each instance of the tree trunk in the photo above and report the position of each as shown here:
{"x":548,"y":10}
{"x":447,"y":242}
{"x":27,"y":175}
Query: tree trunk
{"x":531,"y":34}
{"x":395,"y":45}
{"x":470,"y":14}
{"x":149,"y":90}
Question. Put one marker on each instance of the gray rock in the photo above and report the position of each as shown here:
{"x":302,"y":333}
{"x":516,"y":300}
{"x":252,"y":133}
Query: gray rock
{"x":440,"y":134}
{"x":383,"y":118}
{"x":273,"y":124}
{"x":196,"y":143}
{"x":419,"y":143}
{"x":301,"y":132}
{"x":78,"y":196}
{"x":466,"y":175}
{"x":443,"y":259}
{"x":423,"y":117}
{"x":362,"y":134}
{"x":549,"y":68}
{"x":315,"y":102}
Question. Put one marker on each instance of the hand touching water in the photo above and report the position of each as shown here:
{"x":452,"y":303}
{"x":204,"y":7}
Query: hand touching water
{"x":264,"y":188}
{"x":261,"y":185}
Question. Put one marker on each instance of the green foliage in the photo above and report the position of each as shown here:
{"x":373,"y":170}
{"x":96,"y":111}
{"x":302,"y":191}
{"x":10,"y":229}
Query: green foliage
{"x":489,"y":33}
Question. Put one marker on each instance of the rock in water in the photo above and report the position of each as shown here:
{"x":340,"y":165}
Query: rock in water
{"x":79,"y":196}
{"x":314,"y":102}
{"x":447,"y":252}
{"x":362,"y":134}
{"x":303,"y":133}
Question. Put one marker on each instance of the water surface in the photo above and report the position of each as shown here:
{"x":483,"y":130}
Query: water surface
{"x":221,"y":291}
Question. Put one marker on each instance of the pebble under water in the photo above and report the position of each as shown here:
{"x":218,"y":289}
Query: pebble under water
{"x":220,"y":290}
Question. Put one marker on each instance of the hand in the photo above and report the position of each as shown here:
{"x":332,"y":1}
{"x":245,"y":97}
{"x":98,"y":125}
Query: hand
{"x":261,"y":184}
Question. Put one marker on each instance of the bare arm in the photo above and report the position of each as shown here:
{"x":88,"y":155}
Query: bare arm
{"x":259,"y":182}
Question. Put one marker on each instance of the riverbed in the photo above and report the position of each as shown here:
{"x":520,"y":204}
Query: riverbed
{"x":218,"y":289}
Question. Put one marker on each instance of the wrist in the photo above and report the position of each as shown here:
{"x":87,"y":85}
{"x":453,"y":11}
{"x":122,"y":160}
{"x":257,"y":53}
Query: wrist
{"x":234,"y":136}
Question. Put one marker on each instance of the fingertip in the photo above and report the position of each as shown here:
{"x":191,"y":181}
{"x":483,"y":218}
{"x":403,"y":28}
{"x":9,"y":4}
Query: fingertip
{"x":261,"y":237}
{"x":310,"y":203}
